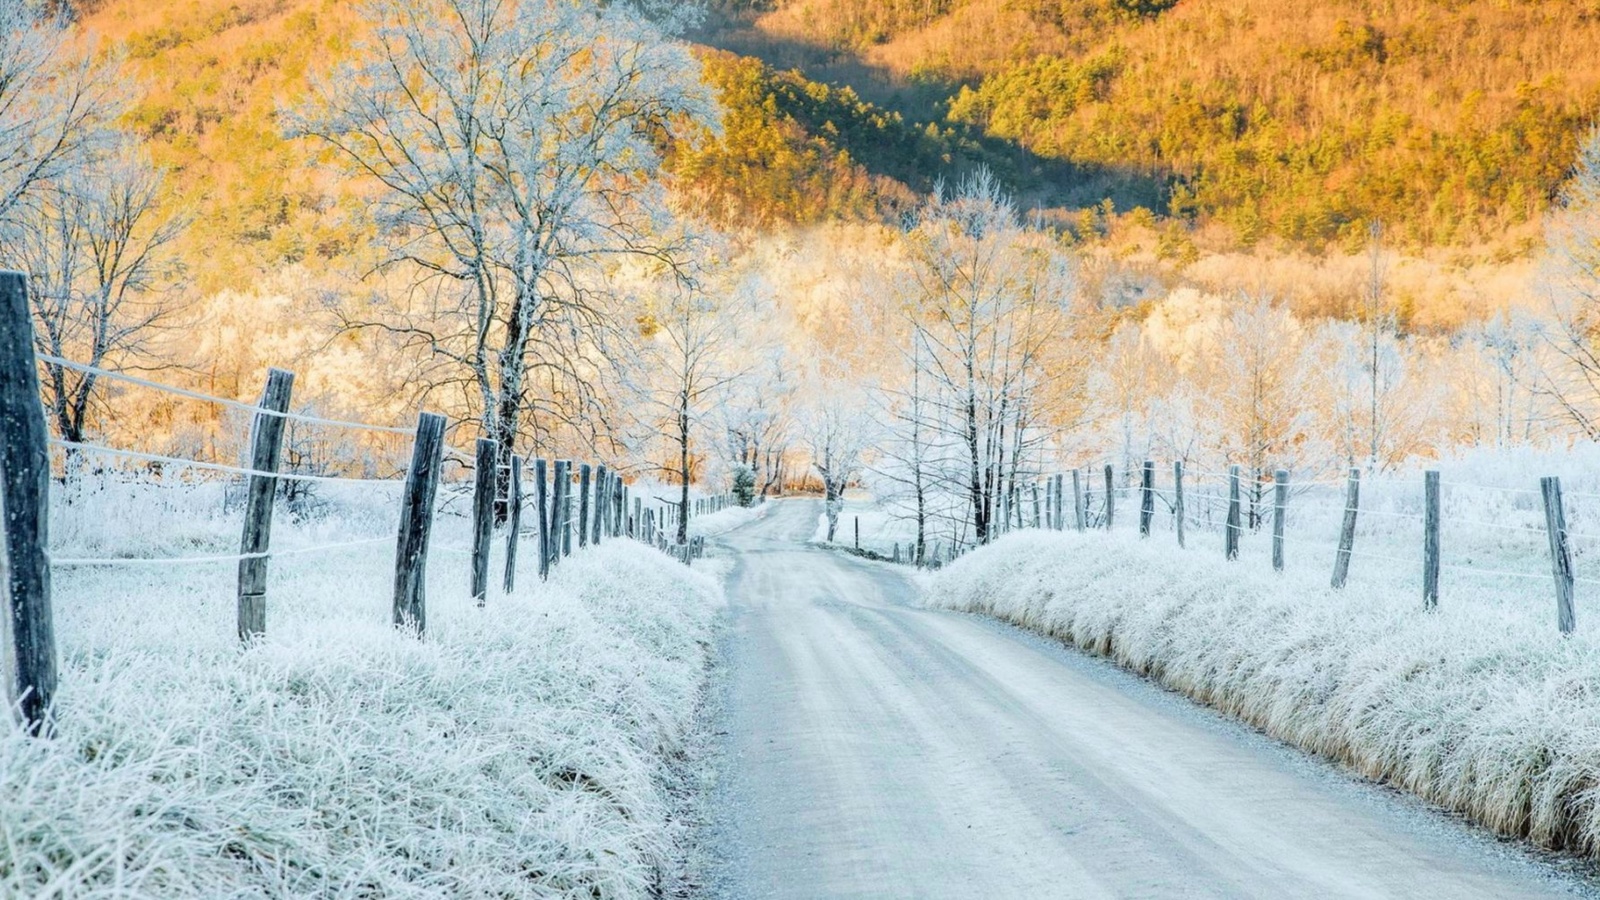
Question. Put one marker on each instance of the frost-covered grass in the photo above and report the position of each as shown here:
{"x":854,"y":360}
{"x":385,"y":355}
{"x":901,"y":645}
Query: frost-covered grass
{"x":724,"y":520}
{"x":533,"y":747}
{"x":1480,"y":706}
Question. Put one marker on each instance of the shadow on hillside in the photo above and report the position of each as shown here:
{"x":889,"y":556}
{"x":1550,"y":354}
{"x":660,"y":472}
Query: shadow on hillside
{"x":1038,"y":182}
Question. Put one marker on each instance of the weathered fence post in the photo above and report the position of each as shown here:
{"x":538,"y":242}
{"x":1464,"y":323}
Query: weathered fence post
{"x":1230,"y":532}
{"x":541,"y":500}
{"x":1061,"y":505}
{"x":1147,"y":497}
{"x":599,"y":526}
{"x":483,"y":496}
{"x":1555,"y":523}
{"x":1347,"y":532}
{"x":562,"y":488}
{"x":568,"y":511}
{"x":1111,"y":493}
{"x":1280,"y":509}
{"x":1035,"y":487}
{"x":1177,"y":498}
{"x":266,"y":449}
{"x":30,"y":656}
{"x":513,"y":523}
{"x":585,"y":473}
{"x":858,"y":532}
{"x":638,"y":519}
{"x":416,"y":524}
{"x":1078,"y":512}
{"x":1430,"y":539}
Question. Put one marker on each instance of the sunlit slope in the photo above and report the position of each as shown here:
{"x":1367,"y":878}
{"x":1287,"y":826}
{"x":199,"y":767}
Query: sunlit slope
{"x":1454,"y":122}
{"x":207,"y":78}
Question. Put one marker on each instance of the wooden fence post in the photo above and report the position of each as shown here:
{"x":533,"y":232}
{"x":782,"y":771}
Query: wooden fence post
{"x":1230,"y":532}
{"x":1061,"y":505}
{"x":1177,"y":498}
{"x":585,"y":474}
{"x":638,"y":519}
{"x":1430,"y":539}
{"x":266,"y":449}
{"x":1555,"y":523}
{"x":561,"y":488}
{"x":1035,"y":487}
{"x":1078,"y":512}
{"x":1347,"y":532}
{"x":1280,"y":509}
{"x":30,"y":657}
{"x":541,"y":501}
{"x":1111,"y":493}
{"x":483,"y":497}
{"x":416,"y":524}
{"x":598,"y":528}
{"x":1147,"y":497}
{"x":568,"y":511}
{"x":858,"y":532}
{"x":513,"y":523}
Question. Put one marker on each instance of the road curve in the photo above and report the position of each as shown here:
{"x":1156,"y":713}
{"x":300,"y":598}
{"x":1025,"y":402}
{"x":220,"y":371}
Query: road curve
{"x":873,"y":748}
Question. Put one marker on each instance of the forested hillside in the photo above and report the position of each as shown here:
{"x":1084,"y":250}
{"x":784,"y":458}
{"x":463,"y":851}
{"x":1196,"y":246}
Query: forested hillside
{"x":1453,"y":122}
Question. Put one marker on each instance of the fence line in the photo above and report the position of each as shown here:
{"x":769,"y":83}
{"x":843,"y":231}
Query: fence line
{"x":26,"y":563}
{"x":239,"y":405}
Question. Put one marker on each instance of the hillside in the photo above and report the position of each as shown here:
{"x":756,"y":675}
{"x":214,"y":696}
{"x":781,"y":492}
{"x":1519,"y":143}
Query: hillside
{"x":1452,"y":122}
{"x":1238,"y":121}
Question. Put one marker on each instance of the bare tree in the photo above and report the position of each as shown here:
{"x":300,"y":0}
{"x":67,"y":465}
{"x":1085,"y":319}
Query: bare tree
{"x":1570,"y":378}
{"x":993,"y":304}
{"x":837,"y":433}
{"x":55,"y":100}
{"x":95,"y":245}
{"x":688,"y":360}
{"x":514,"y":147}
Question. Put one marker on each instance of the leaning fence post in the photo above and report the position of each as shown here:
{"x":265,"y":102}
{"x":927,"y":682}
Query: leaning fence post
{"x":30,"y":679}
{"x":1147,"y":497}
{"x":1078,"y":512}
{"x":1280,"y":508}
{"x":483,"y":496}
{"x":416,"y":524}
{"x":1347,"y":532}
{"x":1430,"y":539}
{"x":266,"y":449}
{"x":1111,"y":493}
{"x":1555,"y":523}
{"x":513,"y":523}
{"x":1230,"y":533}
{"x":541,"y":501}
{"x":1177,"y":498}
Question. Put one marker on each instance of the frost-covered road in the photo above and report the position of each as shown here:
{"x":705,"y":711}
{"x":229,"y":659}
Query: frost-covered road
{"x":877,"y":749}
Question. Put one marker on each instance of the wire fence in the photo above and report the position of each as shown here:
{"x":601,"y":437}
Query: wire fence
{"x":572,"y":504}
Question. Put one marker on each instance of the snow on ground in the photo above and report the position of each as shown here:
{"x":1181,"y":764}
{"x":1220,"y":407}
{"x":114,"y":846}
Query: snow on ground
{"x":1480,"y":706}
{"x":724,"y":520}
{"x":534,"y":747}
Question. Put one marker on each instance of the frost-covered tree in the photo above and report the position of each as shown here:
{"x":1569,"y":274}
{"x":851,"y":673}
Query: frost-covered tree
{"x":991,"y":303}
{"x":1570,"y":379}
{"x":689,"y":358}
{"x":512,"y":151}
{"x":95,"y":244}
{"x":55,"y":99}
